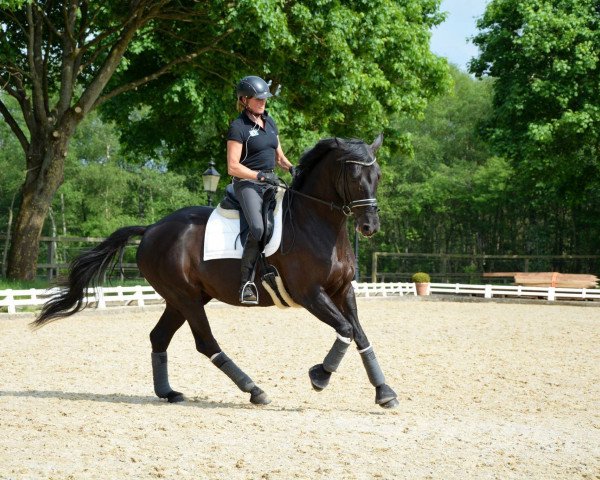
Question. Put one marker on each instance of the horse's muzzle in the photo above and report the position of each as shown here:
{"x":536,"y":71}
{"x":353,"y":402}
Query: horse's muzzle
{"x":367,"y":225}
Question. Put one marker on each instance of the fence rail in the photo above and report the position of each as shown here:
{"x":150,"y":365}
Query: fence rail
{"x":100,"y":297}
{"x":489,"y":291}
{"x":103,"y":297}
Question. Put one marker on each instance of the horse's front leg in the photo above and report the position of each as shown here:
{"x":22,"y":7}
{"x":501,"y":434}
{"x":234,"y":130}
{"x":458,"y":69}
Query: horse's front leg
{"x":384,"y":394}
{"x":321,"y":306}
{"x":348,"y":328}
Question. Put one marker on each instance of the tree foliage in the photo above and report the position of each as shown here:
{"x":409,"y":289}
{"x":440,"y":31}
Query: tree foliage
{"x":450,"y":194}
{"x":545,"y":57}
{"x":344,"y":69}
{"x":165,"y":70}
{"x":103,"y":192}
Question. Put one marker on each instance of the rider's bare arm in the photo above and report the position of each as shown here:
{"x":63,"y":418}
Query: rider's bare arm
{"x":234,"y":167}
{"x":282,"y":160}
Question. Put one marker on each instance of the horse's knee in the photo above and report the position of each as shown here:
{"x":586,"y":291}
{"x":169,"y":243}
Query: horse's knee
{"x":159,"y":339}
{"x":346,"y":331}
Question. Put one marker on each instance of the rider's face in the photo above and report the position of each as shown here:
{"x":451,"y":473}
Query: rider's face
{"x":256,"y":105}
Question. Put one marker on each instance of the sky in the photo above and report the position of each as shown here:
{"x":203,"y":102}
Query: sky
{"x":450,"y":38}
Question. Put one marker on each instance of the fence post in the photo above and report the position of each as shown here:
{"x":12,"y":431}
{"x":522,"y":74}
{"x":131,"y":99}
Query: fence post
{"x":140,"y":295}
{"x":551,"y":294}
{"x":374,"y":267}
{"x":99,"y":294}
{"x":488,"y":291}
{"x":10,"y":298}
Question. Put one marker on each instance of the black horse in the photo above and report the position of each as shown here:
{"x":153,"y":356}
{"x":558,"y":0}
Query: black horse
{"x":338,"y":178}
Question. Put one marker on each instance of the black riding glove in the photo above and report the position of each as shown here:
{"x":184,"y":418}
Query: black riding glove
{"x":268,"y":177}
{"x":293,"y":171}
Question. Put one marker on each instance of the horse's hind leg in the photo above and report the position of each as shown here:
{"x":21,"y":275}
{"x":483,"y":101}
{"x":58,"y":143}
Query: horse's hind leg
{"x":207,"y":345}
{"x":160,"y":337}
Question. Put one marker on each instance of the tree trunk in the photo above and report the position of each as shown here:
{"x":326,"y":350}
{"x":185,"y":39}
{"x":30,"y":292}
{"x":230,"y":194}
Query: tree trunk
{"x":8,"y":233}
{"x":52,"y":246}
{"x":41,"y":183}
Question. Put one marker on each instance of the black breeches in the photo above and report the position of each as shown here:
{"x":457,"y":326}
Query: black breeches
{"x":250,"y":195}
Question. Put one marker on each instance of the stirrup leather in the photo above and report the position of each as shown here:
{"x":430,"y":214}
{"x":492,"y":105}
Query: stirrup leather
{"x":249,"y":294}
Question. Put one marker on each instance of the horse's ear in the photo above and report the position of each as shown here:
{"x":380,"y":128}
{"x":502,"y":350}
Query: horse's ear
{"x":377,"y":143}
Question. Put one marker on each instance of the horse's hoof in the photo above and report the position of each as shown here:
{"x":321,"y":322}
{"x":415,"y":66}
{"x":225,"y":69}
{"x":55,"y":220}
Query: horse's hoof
{"x":319,"y":377}
{"x":258,"y":397}
{"x":384,"y":395}
{"x":175,"y":397}
{"x":393,"y":403}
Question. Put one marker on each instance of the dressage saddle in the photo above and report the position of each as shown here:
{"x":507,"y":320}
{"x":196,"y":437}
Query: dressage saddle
{"x":230,"y":202}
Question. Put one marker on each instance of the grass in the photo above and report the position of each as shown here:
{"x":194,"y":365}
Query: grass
{"x":6,"y":284}
{"x":43,"y":284}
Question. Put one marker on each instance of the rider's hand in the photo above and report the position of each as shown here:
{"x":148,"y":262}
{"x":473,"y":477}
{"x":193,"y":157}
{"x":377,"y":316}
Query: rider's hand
{"x":268,"y":177}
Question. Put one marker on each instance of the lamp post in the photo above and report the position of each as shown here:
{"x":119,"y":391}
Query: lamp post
{"x":210,"y":181}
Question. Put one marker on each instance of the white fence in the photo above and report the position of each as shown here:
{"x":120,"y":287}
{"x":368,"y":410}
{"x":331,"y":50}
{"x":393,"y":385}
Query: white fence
{"x":102,"y":297}
{"x":489,"y":291}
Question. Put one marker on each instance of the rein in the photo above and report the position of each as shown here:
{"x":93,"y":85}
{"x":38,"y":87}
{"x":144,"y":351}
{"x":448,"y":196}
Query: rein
{"x":345,"y":209}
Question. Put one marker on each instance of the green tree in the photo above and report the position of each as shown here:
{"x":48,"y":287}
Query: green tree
{"x":12,"y":166}
{"x":56,"y":60}
{"x":449,"y":195}
{"x":346,"y":64}
{"x":344,"y":69}
{"x":102,"y":191}
{"x":545,"y":57}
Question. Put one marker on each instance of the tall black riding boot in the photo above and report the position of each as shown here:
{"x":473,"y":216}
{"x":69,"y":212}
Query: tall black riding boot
{"x":248,"y":291}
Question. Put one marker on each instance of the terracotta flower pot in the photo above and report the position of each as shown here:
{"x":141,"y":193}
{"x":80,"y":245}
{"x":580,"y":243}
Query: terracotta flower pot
{"x":422,"y":288}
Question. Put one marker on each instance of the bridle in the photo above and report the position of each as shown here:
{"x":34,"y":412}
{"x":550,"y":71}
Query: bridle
{"x":348,"y":207}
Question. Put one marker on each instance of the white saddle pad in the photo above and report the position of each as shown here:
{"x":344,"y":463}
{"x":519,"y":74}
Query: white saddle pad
{"x":221,"y":239}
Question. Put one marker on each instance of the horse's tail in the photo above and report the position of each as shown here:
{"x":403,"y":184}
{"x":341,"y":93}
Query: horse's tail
{"x":86,"y":270}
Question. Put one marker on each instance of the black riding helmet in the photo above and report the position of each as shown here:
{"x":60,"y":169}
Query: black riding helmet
{"x":253,"y":86}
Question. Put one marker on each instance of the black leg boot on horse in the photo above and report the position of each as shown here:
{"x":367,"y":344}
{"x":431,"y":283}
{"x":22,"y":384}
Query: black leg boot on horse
{"x":248,"y":290}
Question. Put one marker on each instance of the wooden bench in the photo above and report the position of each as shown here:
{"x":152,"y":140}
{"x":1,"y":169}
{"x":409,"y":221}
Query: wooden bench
{"x":548,"y":279}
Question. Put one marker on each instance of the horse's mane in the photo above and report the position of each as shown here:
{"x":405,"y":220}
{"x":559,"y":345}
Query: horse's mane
{"x":352,"y":148}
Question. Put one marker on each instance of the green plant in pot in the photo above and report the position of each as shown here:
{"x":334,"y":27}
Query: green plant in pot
{"x":422,"y":281}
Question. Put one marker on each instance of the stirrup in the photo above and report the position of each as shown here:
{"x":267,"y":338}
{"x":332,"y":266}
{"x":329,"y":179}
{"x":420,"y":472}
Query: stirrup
{"x":249,"y":294}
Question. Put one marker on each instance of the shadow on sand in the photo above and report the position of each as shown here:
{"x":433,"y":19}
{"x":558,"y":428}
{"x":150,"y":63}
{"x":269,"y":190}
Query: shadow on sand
{"x":136,"y":399}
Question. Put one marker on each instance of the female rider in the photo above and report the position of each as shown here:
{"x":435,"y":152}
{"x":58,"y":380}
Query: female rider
{"x":253,"y":149}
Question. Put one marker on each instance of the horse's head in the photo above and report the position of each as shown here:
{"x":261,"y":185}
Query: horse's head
{"x":357,"y":183}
